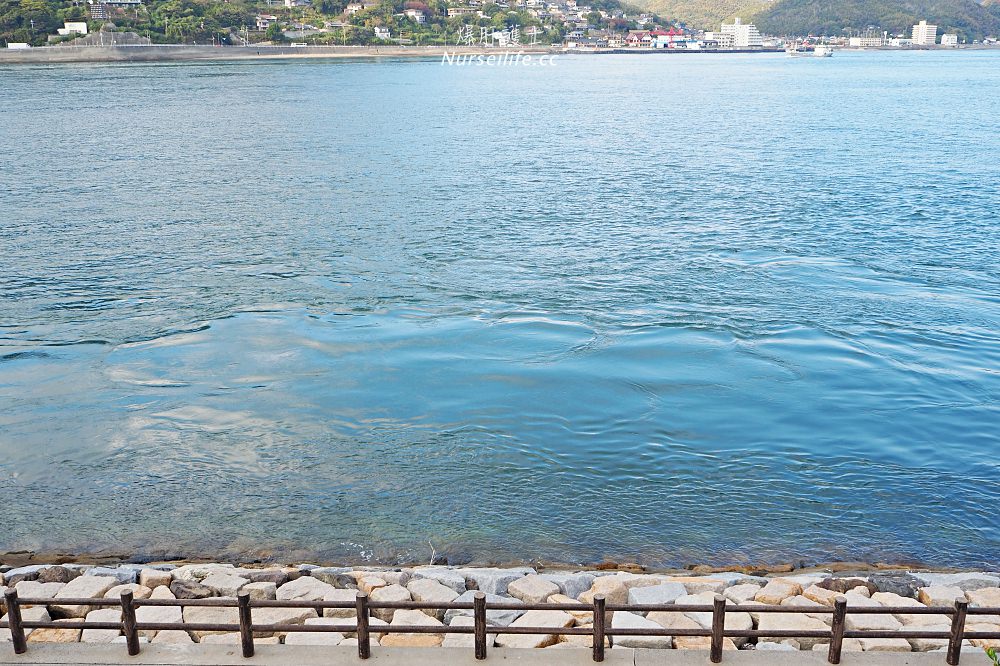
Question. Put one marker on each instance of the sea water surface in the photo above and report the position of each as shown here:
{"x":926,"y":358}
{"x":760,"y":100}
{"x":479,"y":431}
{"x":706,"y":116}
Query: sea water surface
{"x":667,"y":309}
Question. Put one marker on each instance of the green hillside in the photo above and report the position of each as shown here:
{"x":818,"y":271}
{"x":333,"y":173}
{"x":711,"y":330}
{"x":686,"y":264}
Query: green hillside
{"x":968,"y":18}
{"x":704,"y":14}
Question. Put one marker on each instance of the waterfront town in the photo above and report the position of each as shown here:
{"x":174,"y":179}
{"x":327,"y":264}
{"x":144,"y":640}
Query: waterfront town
{"x":566,"y":24}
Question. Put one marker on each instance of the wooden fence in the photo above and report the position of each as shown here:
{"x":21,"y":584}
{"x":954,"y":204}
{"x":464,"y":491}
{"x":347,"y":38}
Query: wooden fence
{"x":363,"y":607}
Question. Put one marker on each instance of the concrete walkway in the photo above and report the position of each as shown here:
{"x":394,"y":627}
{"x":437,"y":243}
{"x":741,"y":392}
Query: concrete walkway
{"x":300,"y":655}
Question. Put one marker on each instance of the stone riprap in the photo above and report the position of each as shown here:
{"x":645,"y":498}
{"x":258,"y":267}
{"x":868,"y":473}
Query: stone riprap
{"x":517,"y":586}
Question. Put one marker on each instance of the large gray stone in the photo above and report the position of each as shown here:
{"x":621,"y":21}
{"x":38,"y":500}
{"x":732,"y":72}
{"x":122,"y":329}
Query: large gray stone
{"x":743,"y":593}
{"x":29,"y":614}
{"x":123,"y":574}
{"x":492,"y":580}
{"x":394,"y":577}
{"x":305,"y":588}
{"x":465,"y":640}
{"x":444,"y":575}
{"x":13,"y":576}
{"x":84,"y":587}
{"x":225,"y":585}
{"x":570,"y":584}
{"x":195,"y":572}
{"x":32,"y":589}
{"x":410,"y":618}
{"x":734,"y":621}
{"x":963,"y":581}
{"x":536,"y":618}
{"x":157,"y":614}
{"x":276,"y":576}
{"x":58,"y":575}
{"x":102,"y":635}
{"x":532,"y":589}
{"x":212,"y":615}
{"x":792,"y":622}
{"x":56,"y":634}
{"x":336,"y":576}
{"x":987,"y":597}
{"x":138,"y":591}
{"x":864,"y":622}
{"x":699,"y":584}
{"x":189,"y":589}
{"x":431,"y":591}
{"x":626,"y":620}
{"x":343,"y":596}
{"x":902,"y":584}
{"x":262,"y":590}
{"x":776,"y":590}
{"x":665,"y":593}
{"x":732,"y":578}
{"x":937,"y":595}
{"x":316,"y":638}
{"x":280,"y":616}
{"x":388,"y":594}
{"x":154,"y":578}
{"x":500,"y":618}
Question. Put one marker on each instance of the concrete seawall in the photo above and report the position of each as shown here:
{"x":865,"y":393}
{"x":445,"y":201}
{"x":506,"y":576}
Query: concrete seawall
{"x":168,"y":52}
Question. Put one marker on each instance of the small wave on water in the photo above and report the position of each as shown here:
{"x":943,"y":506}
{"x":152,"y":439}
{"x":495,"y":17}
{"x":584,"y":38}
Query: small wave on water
{"x":16,"y":356}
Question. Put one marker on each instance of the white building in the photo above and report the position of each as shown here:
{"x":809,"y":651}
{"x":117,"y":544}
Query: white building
{"x":416,"y":15}
{"x":867,"y":39}
{"x":73,"y":27}
{"x":745,"y":35}
{"x":721,"y":40}
{"x":924,"y":34}
{"x":355,"y":7}
{"x":949,"y":40}
{"x":264,"y":21}
{"x":382,"y":33}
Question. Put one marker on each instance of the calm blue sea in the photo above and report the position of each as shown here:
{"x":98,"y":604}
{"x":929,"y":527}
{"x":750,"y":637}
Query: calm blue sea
{"x":666,"y":309}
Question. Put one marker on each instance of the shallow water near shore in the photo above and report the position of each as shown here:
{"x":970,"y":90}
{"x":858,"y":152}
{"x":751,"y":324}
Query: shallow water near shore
{"x":712,"y":309}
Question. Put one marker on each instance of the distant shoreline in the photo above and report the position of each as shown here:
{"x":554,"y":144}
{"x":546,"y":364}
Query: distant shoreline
{"x":192,"y":53}
{"x":183,"y":52}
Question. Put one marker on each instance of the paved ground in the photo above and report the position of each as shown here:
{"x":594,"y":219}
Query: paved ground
{"x":274,"y":655}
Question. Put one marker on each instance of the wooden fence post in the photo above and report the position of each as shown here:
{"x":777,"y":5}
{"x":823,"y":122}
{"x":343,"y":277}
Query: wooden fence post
{"x":718,"y":626}
{"x":246,"y":624}
{"x":14,"y":622}
{"x":479,"y":617}
{"x":837,"y":630}
{"x":957,"y":632}
{"x":364,"y":641}
{"x":599,"y":618}
{"x":128,"y":623}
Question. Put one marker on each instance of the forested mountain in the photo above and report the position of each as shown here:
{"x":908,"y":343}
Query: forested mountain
{"x":705,"y":14}
{"x":968,"y":18}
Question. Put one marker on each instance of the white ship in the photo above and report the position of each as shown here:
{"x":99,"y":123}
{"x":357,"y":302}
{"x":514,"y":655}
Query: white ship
{"x":819,"y":51}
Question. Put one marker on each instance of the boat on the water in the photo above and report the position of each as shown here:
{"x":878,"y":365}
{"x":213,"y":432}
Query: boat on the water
{"x":818,"y":51}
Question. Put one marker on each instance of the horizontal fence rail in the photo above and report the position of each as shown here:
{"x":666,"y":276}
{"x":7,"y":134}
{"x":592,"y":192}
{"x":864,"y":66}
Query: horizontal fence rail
{"x":362,"y":608}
